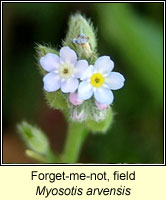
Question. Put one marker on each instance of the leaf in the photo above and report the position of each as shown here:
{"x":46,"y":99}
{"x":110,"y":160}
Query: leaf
{"x":57,"y":100}
{"x":43,"y":50}
{"x":34,"y":138}
{"x":37,"y":143}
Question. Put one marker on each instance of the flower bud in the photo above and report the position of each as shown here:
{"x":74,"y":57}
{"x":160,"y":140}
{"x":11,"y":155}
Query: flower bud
{"x":73,"y":98}
{"x":78,"y":116}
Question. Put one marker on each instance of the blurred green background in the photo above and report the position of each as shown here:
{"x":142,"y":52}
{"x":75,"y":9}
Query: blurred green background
{"x":132,"y":34}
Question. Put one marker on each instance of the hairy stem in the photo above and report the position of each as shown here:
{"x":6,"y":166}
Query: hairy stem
{"x":75,"y":138}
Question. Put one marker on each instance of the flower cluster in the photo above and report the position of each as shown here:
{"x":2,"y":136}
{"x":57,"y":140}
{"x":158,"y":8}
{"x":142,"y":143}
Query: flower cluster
{"x":81,"y":80}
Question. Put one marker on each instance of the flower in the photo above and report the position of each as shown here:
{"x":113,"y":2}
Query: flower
{"x":63,"y":71}
{"x":81,"y":40}
{"x":100,"y":80}
{"x":73,"y":98}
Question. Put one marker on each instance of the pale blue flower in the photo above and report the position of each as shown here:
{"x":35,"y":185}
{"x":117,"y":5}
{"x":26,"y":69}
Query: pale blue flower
{"x":64,"y":70}
{"x":99,"y":80}
{"x":81,"y":39}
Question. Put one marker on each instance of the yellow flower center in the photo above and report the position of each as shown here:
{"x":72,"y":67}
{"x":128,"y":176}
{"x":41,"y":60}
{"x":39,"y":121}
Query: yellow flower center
{"x":65,"y":71}
{"x":96,"y":80}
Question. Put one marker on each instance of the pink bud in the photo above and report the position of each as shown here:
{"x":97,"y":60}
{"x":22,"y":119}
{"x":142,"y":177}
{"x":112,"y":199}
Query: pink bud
{"x":73,"y":98}
{"x":101,"y":106}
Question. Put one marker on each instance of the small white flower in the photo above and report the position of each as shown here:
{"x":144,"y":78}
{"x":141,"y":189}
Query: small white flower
{"x":64,"y":71}
{"x":100,"y":80}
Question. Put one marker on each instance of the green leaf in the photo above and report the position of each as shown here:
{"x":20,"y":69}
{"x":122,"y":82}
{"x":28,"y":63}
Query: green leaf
{"x":37,"y":143}
{"x":34,"y":138}
{"x":57,"y":100}
{"x":42,"y":50}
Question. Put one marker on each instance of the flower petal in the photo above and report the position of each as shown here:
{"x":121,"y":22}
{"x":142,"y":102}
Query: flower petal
{"x":104,"y":95}
{"x":85,"y":90}
{"x":104,"y":65}
{"x":51,"y":82}
{"x":80,"y":67}
{"x":115,"y":80}
{"x":68,"y":55}
{"x":88,"y":73}
{"x":69,"y":85}
{"x":50,"y":62}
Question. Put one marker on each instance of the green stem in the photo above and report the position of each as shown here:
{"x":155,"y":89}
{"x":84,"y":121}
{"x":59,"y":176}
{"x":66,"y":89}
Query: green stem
{"x":52,"y":157}
{"x":75,"y":138}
